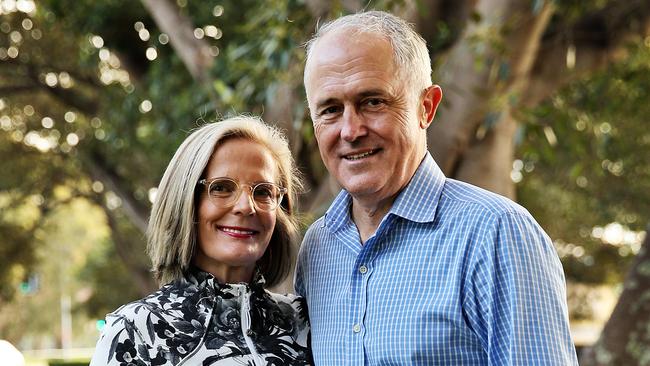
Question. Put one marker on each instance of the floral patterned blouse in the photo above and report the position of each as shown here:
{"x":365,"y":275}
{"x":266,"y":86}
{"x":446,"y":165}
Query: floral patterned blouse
{"x":198,"y":321}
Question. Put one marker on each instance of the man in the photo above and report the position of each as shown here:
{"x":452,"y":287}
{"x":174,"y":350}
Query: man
{"x":408,"y":267}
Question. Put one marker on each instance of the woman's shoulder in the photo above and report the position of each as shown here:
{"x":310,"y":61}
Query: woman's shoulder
{"x":286,"y":298}
{"x":290,"y":305}
{"x":141,"y":327}
{"x":171,"y":300}
{"x":142,"y":307}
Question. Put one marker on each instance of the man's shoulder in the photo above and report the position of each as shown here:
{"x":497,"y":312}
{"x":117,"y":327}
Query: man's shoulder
{"x":475,"y":199}
{"x":316,"y":232}
{"x":315,"y":228}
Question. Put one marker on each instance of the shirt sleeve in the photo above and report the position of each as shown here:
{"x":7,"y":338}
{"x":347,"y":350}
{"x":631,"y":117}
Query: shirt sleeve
{"x":515,"y":299}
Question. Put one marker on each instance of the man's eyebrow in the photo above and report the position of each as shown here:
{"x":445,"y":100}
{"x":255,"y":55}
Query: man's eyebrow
{"x":371,"y":93}
{"x":325,"y":102}
{"x":363,"y":94}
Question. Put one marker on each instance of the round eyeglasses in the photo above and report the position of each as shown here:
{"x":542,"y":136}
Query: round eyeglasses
{"x":224,"y":192}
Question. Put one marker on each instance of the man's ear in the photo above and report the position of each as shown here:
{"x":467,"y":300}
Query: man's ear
{"x":430,"y":102}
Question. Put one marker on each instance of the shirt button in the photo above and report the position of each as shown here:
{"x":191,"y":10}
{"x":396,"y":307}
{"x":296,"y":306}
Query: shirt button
{"x":356,"y":328}
{"x":363,"y":269}
{"x":249,"y":332}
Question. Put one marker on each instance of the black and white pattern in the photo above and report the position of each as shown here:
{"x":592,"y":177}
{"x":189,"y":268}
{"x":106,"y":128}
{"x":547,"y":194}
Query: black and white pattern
{"x":197,"y":321}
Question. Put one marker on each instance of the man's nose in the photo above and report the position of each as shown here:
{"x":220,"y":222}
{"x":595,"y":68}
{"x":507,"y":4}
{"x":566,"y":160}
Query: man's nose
{"x":353,"y":126}
{"x":244,"y":204}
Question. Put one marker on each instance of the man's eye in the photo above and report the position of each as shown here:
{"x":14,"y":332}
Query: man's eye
{"x":329,"y":110}
{"x":374,"y":102}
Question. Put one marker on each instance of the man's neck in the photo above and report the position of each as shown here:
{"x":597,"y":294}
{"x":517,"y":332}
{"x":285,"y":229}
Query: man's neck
{"x":368,"y":215}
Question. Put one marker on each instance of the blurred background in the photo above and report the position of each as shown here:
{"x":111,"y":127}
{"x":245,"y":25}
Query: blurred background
{"x":545,"y":102}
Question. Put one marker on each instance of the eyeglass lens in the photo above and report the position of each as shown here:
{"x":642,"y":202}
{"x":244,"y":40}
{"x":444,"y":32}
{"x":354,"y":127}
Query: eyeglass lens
{"x":227,"y":191}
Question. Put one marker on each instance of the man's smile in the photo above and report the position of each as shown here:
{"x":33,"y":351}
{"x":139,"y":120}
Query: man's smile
{"x":360,"y":155}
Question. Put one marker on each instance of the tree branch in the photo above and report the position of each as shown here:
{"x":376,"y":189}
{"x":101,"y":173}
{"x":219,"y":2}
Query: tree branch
{"x":598,"y":38}
{"x":99,"y":171}
{"x":194,"y":52}
{"x":139,"y":271}
{"x":15,"y":89}
{"x":433,"y":17}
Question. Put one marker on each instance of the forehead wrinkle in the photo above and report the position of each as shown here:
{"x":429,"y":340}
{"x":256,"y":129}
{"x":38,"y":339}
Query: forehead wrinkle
{"x":334,"y":88}
{"x":330,"y":65}
{"x":330,"y":54}
{"x":332,"y":76}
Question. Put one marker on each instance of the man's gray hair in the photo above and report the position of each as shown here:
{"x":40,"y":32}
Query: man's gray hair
{"x":410,"y":52}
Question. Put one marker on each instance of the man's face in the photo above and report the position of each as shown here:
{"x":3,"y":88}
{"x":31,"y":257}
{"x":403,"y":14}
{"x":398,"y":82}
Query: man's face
{"x":369,"y":123}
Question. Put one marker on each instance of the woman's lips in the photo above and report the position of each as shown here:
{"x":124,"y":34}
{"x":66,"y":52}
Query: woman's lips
{"x":237,"y":232}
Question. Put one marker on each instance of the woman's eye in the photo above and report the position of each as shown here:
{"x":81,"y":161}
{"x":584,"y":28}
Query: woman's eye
{"x":221,"y":188}
{"x":263,"y":192}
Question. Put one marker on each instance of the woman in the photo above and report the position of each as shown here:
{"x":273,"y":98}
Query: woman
{"x":221,"y":230}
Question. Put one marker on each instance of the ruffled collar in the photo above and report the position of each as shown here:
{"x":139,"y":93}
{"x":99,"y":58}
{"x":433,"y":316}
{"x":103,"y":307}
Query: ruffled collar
{"x":206,"y":280}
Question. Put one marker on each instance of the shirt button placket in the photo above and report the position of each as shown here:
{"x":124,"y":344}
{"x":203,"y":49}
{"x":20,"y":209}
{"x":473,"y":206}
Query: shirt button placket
{"x":363,"y":270}
{"x":356,"y":328}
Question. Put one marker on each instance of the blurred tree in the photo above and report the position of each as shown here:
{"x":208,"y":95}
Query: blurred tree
{"x":625,"y":338}
{"x":586,"y":150}
{"x":107,"y":90}
{"x":71,"y":243}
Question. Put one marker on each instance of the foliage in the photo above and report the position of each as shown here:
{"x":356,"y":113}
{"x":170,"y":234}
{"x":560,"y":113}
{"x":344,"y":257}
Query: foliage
{"x":64,"y":244}
{"x":586,"y":153}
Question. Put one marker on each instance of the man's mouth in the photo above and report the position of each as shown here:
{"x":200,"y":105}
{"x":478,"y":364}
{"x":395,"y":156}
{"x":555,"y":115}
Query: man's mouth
{"x":361,"y":155}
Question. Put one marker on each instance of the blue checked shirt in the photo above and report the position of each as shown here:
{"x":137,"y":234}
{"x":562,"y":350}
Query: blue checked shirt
{"x":454,"y":275}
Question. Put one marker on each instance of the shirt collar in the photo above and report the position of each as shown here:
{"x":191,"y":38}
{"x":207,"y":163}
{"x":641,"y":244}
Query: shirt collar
{"x":417,"y":202}
{"x":203,"y":279}
{"x":338,"y":214}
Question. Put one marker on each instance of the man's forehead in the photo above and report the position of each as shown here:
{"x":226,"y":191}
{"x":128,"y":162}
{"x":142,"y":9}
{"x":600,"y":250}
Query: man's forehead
{"x":347,"y":39}
{"x":338,"y":51}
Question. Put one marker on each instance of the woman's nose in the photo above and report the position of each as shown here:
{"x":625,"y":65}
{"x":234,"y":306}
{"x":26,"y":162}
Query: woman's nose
{"x":244,"y":203}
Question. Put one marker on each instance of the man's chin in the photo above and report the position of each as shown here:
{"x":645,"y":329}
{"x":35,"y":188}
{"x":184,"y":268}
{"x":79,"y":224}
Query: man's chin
{"x":361,"y":189}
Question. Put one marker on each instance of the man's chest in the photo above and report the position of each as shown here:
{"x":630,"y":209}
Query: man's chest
{"x":399,"y":307}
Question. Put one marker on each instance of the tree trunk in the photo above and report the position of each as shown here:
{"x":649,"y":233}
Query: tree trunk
{"x":473,"y":141}
{"x":625,"y":340}
{"x":130,"y":254}
{"x":98,"y":171}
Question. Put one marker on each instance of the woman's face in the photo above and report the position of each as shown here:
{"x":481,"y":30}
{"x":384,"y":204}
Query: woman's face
{"x":231,"y":239}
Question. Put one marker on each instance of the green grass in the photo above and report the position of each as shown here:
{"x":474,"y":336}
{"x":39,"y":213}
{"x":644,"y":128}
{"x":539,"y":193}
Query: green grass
{"x":68,"y":363}
{"x":32,"y":361}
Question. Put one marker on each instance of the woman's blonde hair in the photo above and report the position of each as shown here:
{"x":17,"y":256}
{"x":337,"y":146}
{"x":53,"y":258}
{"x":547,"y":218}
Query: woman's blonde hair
{"x":172,"y":233}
